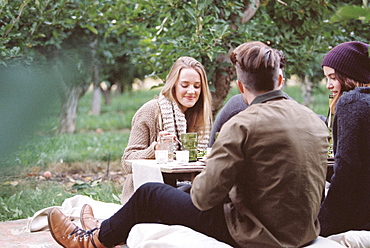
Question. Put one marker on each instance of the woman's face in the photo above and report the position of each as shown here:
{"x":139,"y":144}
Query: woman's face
{"x":188,"y":88}
{"x":332,"y":82}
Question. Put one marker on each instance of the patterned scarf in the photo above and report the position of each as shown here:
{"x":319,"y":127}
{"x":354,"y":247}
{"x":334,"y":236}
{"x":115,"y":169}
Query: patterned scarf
{"x":173,"y":120}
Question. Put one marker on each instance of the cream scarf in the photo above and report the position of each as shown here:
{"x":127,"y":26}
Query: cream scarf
{"x":173,"y":120}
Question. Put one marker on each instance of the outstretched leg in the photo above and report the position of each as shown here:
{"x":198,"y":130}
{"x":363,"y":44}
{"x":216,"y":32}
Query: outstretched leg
{"x":161,"y":203}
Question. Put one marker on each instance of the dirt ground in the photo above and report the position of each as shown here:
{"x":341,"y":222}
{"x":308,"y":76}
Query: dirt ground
{"x":69,"y":173}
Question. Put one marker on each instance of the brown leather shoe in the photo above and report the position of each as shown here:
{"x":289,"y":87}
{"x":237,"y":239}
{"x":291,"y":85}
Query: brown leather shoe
{"x":87,"y":219}
{"x":68,"y":235}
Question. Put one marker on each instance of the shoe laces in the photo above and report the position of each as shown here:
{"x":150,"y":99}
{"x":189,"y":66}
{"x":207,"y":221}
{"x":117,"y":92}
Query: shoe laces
{"x":79,"y":235}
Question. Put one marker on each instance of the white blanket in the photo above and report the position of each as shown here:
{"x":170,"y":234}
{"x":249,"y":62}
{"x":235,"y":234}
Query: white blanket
{"x":353,"y":239}
{"x":72,"y":207}
{"x":159,"y":235}
{"x":175,"y":236}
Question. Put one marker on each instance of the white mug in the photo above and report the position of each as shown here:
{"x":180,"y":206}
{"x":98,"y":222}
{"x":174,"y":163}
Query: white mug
{"x":161,"y":156}
{"x":182,"y":156}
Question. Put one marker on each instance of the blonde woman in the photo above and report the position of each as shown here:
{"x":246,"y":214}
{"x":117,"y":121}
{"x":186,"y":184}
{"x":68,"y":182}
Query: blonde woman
{"x":184,"y":105}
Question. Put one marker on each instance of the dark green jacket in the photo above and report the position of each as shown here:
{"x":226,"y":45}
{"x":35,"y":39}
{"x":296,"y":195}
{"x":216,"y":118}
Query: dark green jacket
{"x":270,"y":160}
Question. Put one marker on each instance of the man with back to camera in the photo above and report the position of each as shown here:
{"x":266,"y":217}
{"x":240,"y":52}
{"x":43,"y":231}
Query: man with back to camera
{"x":270,"y":160}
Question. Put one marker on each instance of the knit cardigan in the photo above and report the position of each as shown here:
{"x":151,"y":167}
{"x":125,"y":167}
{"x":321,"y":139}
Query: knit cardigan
{"x":347,"y":204}
{"x":146,"y":124}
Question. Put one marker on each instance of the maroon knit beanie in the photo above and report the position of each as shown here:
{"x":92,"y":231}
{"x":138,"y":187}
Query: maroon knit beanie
{"x":351,"y":59}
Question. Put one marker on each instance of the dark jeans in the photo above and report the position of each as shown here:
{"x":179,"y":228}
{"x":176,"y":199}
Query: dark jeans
{"x":161,"y":203}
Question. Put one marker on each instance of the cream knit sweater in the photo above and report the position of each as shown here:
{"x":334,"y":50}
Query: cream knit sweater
{"x":143,"y":138}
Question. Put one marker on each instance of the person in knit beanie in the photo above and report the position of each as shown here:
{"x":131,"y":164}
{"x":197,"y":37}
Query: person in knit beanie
{"x":346,"y":206}
{"x":346,"y":66}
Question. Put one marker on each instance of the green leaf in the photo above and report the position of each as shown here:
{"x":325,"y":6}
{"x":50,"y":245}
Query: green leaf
{"x":55,"y":34}
{"x":80,"y":185}
{"x":8,"y":27}
{"x":350,"y":12}
{"x":92,"y":29}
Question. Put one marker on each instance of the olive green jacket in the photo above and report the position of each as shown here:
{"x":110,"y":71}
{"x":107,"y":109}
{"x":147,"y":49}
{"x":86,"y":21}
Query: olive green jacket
{"x":268,"y":166}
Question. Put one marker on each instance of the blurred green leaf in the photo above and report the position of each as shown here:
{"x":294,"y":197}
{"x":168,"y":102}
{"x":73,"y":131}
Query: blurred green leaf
{"x":92,"y":29}
{"x":351,"y":12}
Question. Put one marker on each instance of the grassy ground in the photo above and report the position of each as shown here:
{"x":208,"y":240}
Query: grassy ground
{"x":86,"y":162}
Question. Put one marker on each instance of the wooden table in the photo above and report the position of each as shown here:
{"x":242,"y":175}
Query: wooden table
{"x":172,"y":171}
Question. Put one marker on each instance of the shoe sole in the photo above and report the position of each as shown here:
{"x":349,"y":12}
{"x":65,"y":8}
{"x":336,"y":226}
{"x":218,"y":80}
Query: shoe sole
{"x":51,"y":230}
{"x":81,"y":216}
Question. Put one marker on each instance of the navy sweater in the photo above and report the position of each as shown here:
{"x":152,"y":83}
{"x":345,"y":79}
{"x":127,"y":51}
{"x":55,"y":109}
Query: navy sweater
{"x":347,"y":204}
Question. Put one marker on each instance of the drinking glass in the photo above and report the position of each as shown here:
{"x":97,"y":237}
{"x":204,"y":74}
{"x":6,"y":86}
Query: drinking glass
{"x":190,"y":142}
{"x":167,"y":143}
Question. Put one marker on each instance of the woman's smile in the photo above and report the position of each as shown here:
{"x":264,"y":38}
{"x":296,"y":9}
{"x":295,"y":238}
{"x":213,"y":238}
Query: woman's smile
{"x":188,"y":88}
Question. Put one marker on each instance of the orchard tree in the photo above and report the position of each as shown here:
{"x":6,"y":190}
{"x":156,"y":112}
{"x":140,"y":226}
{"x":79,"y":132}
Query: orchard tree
{"x":48,"y":32}
{"x":71,"y":37}
{"x":303,"y":31}
{"x":106,"y":40}
{"x":207,"y":30}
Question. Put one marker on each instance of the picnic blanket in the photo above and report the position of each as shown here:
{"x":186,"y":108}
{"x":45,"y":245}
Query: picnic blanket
{"x":33,"y":232}
{"x":71,"y":207}
{"x":14,"y":234}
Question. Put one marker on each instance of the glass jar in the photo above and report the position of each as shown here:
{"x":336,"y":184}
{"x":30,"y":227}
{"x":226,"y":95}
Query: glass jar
{"x":168,"y":143}
{"x":190,"y":142}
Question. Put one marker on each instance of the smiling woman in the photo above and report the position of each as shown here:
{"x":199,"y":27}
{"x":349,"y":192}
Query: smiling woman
{"x":183,"y":105}
{"x":346,"y":206}
{"x":188,"y":88}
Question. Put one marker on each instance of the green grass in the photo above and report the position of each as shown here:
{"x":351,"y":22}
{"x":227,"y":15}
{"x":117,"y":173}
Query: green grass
{"x":73,"y":148}
{"x":86,"y":144}
{"x":117,"y":115}
{"x":28,"y":196}
{"x":319,"y":102}
{"x":22,"y":195}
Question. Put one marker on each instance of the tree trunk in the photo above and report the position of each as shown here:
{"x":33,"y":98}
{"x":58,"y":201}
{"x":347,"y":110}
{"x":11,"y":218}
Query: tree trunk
{"x":251,"y":10}
{"x":307,"y":90}
{"x":121,"y":87}
{"x":68,"y":111}
{"x":224,"y":75}
{"x":96,"y":99}
{"x":221,"y":81}
{"x":107,"y":95}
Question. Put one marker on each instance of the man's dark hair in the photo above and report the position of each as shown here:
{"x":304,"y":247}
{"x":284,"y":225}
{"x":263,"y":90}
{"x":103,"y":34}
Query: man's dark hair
{"x":257,"y":66}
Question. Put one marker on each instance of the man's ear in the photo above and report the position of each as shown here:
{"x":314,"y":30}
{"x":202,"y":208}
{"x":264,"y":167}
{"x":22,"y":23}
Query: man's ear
{"x":240,"y":86}
{"x":281,"y":80}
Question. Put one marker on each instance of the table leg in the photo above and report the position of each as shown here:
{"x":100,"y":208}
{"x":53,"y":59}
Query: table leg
{"x":170,"y":181}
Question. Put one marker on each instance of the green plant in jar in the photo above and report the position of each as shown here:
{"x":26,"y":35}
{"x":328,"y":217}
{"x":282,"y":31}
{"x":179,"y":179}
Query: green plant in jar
{"x":190,"y":142}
